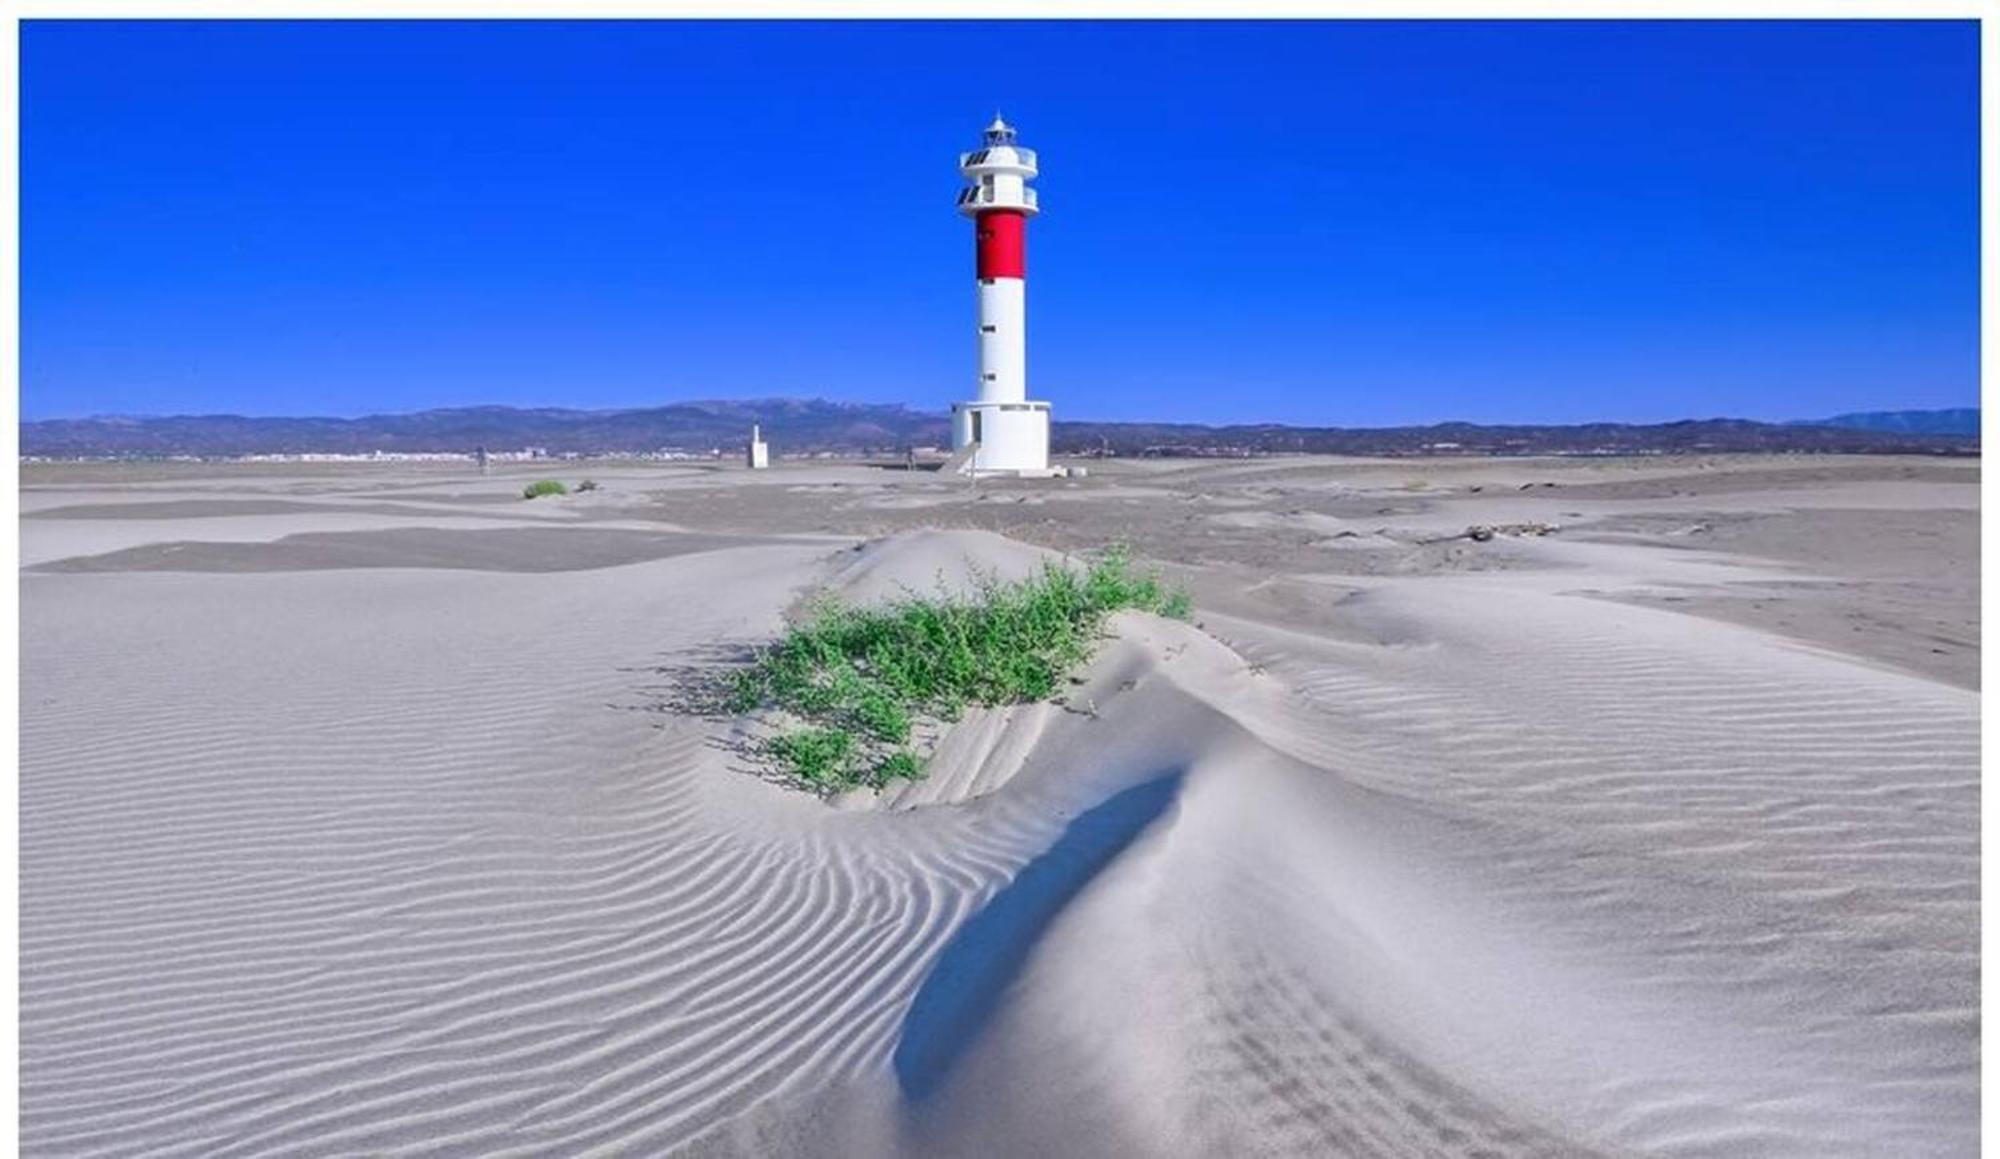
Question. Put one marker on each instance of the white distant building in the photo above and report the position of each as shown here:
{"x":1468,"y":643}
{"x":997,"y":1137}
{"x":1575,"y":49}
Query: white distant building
{"x":759,"y":452}
{"x":1001,"y":432}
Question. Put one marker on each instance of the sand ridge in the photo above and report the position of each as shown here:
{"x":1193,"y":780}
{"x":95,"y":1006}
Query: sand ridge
{"x":1403,"y":849}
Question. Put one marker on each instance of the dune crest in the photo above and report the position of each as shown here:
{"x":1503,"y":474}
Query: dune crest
{"x":1390,"y":853}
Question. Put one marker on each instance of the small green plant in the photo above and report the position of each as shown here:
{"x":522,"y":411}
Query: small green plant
{"x":817,"y":756}
{"x":541,"y":487}
{"x":862,"y":679}
{"x":904,"y":765}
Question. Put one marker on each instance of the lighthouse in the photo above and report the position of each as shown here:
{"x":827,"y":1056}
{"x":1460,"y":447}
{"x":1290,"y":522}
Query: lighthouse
{"x":1001,"y":432}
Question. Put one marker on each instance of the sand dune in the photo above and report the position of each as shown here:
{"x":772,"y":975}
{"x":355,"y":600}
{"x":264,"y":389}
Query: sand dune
{"x":388,"y":837}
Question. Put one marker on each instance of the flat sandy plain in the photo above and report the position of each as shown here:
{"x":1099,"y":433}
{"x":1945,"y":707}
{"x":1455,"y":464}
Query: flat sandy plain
{"x":359,"y":815}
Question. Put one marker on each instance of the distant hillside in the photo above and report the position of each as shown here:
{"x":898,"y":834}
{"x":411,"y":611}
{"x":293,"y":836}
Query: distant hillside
{"x":811,"y":425}
{"x":691,"y":426}
{"x":1954,"y":421}
{"x":1689,"y":435}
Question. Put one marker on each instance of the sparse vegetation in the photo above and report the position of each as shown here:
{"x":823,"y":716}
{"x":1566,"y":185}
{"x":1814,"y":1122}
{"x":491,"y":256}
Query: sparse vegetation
{"x":587,"y":485}
{"x":861,"y":680}
{"x":541,"y":487}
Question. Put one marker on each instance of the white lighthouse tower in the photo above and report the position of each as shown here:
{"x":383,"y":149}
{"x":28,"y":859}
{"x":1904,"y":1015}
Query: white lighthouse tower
{"x":1001,"y":432}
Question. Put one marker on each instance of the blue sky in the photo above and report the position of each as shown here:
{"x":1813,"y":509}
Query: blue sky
{"x":1327,"y":223}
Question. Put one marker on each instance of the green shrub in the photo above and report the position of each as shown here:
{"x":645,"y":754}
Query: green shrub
{"x":816,"y":756}
{"x":541,"y":487}
{"x":863,"y":678}
{"x":901,"y":763}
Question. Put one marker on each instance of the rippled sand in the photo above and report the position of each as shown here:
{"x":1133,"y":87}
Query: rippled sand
{"x":359,"y":816}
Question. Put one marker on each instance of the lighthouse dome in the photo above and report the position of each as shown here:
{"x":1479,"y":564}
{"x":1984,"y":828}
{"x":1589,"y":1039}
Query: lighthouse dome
{"x":999,"y":155}
{"x":997,"y":174}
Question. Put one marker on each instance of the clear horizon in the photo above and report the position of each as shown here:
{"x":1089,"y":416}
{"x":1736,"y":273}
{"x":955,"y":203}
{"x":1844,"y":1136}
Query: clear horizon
{"x":1337,"y":224}
{"x":943,"y":413}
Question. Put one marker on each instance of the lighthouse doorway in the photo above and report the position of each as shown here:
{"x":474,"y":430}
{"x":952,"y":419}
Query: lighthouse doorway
{"x":976,"y":416}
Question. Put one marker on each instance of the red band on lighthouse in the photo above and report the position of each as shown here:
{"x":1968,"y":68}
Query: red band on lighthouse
{"x":1003,"y":248}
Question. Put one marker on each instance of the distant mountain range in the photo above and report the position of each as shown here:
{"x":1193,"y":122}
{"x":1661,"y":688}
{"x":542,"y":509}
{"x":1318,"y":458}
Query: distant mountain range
{"x":814,"y":425}
{"x":792,"y":424}
{"x":1955,"y":421}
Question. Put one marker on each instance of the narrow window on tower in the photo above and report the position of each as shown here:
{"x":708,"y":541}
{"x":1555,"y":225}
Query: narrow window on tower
{"x":989,"y":328}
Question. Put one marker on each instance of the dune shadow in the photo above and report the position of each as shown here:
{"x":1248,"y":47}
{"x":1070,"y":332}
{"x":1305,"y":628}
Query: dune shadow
{"x":963,"y":989}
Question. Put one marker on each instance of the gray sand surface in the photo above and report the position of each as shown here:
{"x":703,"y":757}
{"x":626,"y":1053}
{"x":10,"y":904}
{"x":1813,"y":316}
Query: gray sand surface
{"x":523,"y":549}
{"x":360,"y":815}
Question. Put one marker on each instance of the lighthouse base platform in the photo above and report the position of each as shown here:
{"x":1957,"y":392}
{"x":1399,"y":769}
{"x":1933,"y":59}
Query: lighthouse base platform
{"x":1006,"y":438}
